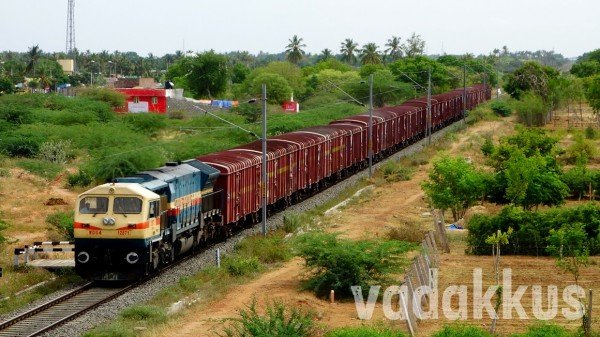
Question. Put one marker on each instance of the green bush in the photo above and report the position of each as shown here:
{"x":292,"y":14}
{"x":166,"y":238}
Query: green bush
{"x":3,"y":226}
{"x":62,"y":222}
{"x":121,"y":162}
{"x":267,"y":249}
{"x":15,"y":113}
{"x":531,"y":110}
{"x":480,"y":113}
{"x":590,"y":133}
{"x":581,"y":151}
{"x":20,"y":144}
{"x":531,"y":229}
{"x":278,"y":321}
{"x":487,"y":148}
{"x":578,"y":179}
{"x":393,"y":171}
{"x":338,"y":264}
{"x":364,"y":332}
{"x":112,"y":330}
{"x":462,"y":331}
{"x":150,"y":314}
{"x":81,"y":178}
{"x":501,"y":108}
{"x":57,"y":152}
{"x":291,"y":222}
{"x":41,"y":168}
{"x":112,"y":97}
{"x":241,"y":266}
{"x":545,"y":330}
{"x":146,"y":123}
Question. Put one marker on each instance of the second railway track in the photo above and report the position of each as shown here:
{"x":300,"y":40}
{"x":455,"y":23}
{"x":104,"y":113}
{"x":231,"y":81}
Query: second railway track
{"x":60,"y":310}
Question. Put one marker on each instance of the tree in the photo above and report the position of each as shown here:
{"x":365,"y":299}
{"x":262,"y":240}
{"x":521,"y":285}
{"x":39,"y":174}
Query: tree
{"x":6,"y":85}
{"x":369,"y":54}
{"x":585,"y":68}
{"x":325,"y":54}
{"x":385,"y":89}
{"x":593,"y":95}
{"x":348,"y":50}
{"x":569,"y":246}
{"x":417,"y":67}
{"x":454,"y":184}
{"x":414,"y":46}
{"x":278,"y":89}
{"x":497,"y":240}
{"x":294,"y":52}
{"x":207,"y":75}
{"x":34,"y":53}
{"x":532,"y":76}
{"x":394,"y":50}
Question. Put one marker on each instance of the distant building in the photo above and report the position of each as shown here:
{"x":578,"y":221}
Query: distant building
{"x":68,"y":65}
{"x":135,"y":82}
{"x":144,"y":100}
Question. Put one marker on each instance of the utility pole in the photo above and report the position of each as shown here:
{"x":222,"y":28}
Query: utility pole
{"x":464,"y":92}
{"x":498,"y":80}
{"x":264,"y":159}
{"x":371,"y":126}
{"x":429,"y":104}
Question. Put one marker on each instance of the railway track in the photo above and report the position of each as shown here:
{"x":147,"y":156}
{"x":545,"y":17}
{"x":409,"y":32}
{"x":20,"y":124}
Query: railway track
{"x":60,"y":310}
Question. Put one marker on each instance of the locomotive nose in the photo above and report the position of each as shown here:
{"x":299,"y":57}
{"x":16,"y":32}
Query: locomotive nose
{"x":83,"y":257}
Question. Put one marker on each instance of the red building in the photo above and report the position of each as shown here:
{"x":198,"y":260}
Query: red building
{"x":144,"y":100}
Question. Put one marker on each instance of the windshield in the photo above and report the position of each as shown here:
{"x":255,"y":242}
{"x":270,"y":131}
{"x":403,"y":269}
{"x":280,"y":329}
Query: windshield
{"x":127,"y":205}
{"x":93,"y":205}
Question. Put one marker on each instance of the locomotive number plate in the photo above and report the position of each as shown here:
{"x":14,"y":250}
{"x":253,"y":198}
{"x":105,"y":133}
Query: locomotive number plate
{"x":124,"y":232}
{"x":95,"y":232}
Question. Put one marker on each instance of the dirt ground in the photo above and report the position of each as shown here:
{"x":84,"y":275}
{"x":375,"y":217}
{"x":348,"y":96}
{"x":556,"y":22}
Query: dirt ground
{"x":399,"y":205}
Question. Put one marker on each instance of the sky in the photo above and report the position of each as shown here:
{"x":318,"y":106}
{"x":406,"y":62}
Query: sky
{"x":152,"y":26}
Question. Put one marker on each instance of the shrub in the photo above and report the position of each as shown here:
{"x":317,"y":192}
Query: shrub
{"x":480,"y":113}
{"x":241,"y":266}
{"x":501,"y":108}
{"x":291,"y":222}
{"x":531,"y":110}
{"x":337,"y":264}
{"x":146,"y":313}
{"x":120,"y":162}
{"x":581,"y":151}
{"x":462,"y":331}
{"x":545,"y":330}
{"x":250,"y":112}
{"x":578,"y":179}
{"x":57,"y":152}
{"x":81,"y":178}
{"x":20,"y":144}
{"x":62,"y":222}
{"x":3,"y":226}
{"x":147,"y":123}
{"x":531,"y":229}
{"x":408,"y":233}
{"x":112,"y":330}
{"x":112,"y":97}
{"x":590,"y":133}
{"x":267,"y":249}
{"x":278,"y":321}
{"x":364,"y":332}
{"x":487,"y":148}
{"x":41,"y":168}
{"x":15,"y":113}
{"x":393,"y":172}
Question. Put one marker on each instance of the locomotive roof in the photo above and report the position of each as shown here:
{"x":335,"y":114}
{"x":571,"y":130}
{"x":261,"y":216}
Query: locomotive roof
{"x":121,"y":189}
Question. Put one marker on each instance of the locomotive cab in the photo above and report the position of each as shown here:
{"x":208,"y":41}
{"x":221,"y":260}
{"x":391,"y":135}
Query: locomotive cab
{"x":113,"y":228}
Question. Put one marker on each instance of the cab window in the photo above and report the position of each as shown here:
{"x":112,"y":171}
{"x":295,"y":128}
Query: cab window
{"x":93,"y":205}
{"x":153,"y":210}
{"x":127,"y":205}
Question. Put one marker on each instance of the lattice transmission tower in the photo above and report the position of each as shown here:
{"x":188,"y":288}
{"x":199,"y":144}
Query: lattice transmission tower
{"x":71,"y":28}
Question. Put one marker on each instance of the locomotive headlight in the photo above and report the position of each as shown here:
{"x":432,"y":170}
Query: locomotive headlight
{"x":132,"y":258}
{"x":83,"y":257}
{"x":108,"y":221}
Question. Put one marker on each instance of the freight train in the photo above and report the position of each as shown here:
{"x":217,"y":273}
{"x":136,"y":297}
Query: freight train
{"x":131,"y":227}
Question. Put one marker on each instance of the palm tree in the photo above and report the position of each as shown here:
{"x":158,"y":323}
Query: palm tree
{"x":34,"y":54}
{"x":369,"y":54}
{"x":294,"y":49}
{"x":394,"y":51}
{"x":348,"y":48}
{"x":325,"y":54}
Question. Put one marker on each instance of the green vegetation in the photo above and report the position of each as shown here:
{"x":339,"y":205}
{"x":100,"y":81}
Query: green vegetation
{"x":364,"y":332}
{"x":454,"y":184}
{"x":462,"y":331}
{"x":3,"y":226}
{"x":531,"y":230}
{"x":501,"y":108}
{"x":278,"y":321}
{"x":394,"y":171}
{"x":62,"y":222}
{"x":42,"y":168}
{"x":337,"y":264}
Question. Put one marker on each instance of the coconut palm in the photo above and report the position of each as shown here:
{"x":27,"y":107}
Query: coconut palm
{"x":294,"y":52}
{"x":348,"y":49}
{"x":326,"y":54}
{"x":34,"y":54}
{"x":369,"y":54}
{"x":393,"y":51}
